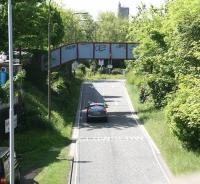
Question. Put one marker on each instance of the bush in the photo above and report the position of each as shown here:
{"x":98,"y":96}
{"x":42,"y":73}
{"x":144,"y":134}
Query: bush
{"x":159,"y":88}
{"x":102,"y":70}
{"x":4,"y":89}
{"x":58,"y":83}
{"x":134,"y":78}
{"x":116,"y":71}
{"x":183,"y":112}
{"x":82,"y":68}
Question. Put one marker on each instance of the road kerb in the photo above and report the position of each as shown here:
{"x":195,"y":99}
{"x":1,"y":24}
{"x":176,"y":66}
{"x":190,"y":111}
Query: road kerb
{"x":74,"y":138}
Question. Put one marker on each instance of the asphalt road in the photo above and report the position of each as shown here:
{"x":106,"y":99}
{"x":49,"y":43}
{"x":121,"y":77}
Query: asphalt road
{"x":119,"y":151}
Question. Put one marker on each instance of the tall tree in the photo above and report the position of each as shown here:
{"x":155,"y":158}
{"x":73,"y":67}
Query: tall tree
{"x":30,"y":24}
{"x":111,"y":28}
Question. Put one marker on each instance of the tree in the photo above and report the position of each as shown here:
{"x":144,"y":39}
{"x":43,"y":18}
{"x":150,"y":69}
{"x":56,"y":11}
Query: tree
{"x":111,"y":28}
{"x":30,"y":23}
{"x":168,"y":59}
{"x":78,"y":26}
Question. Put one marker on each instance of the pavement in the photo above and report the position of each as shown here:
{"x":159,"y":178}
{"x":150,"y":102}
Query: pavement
{"x":119,"y":151}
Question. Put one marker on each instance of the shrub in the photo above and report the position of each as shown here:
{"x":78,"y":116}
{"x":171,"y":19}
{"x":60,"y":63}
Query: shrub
{"x":4,"y":89}
{"x":116,"y":71}
{"x":144,"y":92}
{"x":159,"y":88}
{"x":183,"y":112}
{"x":82,"y":68}
{"x":59,"y":84}
{"x":102,"y":70}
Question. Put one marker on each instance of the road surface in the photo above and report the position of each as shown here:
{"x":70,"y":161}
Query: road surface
{"x":119,"y":151}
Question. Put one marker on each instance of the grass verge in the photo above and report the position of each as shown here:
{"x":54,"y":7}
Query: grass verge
{"x":179,"y":159}
{"x":103,"y":76}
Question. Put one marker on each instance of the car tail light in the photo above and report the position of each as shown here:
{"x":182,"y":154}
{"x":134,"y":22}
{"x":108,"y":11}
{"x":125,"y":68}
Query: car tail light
{"x":3,"y":181}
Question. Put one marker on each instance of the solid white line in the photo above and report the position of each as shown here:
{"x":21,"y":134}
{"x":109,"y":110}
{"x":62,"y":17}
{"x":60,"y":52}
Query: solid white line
{"x":149,"y":139}
{"x":77,"y":138}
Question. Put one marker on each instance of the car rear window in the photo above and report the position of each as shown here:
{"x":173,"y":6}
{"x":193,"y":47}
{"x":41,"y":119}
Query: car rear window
{"x":97,"y":107}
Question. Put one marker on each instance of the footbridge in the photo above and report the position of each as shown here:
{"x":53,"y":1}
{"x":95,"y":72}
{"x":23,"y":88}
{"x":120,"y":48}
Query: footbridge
{"x":90,"y":50}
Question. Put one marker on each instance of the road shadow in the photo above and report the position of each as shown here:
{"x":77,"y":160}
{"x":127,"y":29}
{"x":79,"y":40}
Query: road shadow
{"x":119,"y":119}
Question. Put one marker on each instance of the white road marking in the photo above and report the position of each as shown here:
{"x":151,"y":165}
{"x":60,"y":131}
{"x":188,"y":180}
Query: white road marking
{"x":146,"y":134}
{"x":77,"y":142}
{"x":108,"y":139}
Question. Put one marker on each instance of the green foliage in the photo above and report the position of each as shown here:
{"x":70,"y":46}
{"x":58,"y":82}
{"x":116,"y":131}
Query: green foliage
{"x":102,"y":70}
{"x":20,"y":76}
{"x":159,"y":88}
{"x":135,"y":78}
{"x":4,"y":89}
{"x":179,"y":159}
{"x":183,"y":111}
{"x":39,"y":138}
{"x":30,"y":25}
{"x":79,"y":26}
{"x":169,"y":48}
{"x":58,"y":83}
{"x":82,"y":68}
{"x":116,"y":71}
{"x":111,"y":28}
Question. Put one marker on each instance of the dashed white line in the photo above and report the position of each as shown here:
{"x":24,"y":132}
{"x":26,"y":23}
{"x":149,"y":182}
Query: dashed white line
{"x":108,"y":139}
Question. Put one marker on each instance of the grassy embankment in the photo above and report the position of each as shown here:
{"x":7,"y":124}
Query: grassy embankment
{"x":179,"y":159}
{"x":44,"y":145}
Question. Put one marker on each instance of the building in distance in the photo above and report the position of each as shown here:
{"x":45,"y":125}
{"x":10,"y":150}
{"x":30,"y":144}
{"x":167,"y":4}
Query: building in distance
{"x":123,"y":11}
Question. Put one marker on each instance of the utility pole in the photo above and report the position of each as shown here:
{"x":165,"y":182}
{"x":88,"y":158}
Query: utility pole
{"x":11,"y":111}
{"x":49,"y":62}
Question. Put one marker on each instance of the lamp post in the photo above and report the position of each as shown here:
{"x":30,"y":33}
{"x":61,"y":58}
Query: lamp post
{"x":11,"y":110}
{"x":49,"y":62}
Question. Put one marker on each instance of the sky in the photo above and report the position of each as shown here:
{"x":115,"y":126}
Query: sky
{"x":94,"y":7}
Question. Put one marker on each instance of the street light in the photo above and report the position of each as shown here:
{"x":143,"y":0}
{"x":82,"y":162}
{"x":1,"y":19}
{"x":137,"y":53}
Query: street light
{"x":49,"y":62}
{"x":11,"y":110}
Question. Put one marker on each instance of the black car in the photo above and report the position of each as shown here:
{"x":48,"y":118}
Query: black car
{"x":4,"y":167}
{"x":96,"y":111}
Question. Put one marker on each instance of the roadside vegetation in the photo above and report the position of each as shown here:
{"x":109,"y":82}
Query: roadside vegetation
{"x":91,"y":72}
{"x":179,"y":159}
{"x":42,"y":144}
{"x":166,"y":77}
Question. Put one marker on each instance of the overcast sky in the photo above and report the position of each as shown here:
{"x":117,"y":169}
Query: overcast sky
{"x":94,"y":7}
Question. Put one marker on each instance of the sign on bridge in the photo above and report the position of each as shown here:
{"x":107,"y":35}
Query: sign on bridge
{"x":91,"y":50}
